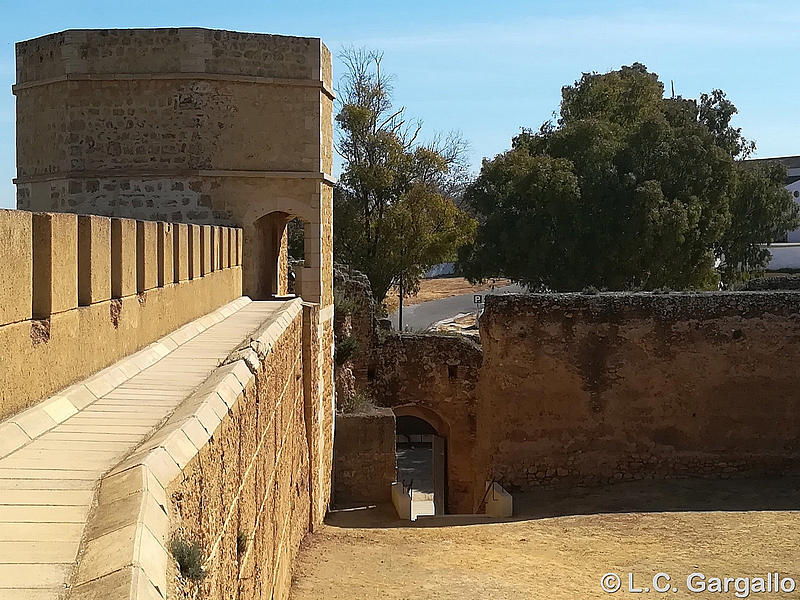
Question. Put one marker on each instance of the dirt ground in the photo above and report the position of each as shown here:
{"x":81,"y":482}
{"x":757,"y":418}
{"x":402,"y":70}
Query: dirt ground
{"x":563,"y":544}
{"x":443,"y":287}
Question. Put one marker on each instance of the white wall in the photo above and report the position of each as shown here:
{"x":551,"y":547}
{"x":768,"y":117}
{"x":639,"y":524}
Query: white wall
{"x":784,"y":256}
{"x":794,"y":189}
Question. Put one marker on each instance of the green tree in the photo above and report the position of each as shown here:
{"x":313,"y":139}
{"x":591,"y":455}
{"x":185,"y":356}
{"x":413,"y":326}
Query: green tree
{"x":394,"y":209}
{"x":627,"y":189}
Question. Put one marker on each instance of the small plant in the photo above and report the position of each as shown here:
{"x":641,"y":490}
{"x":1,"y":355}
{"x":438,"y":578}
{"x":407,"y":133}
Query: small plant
{"x":346,"y":347}
{"x":241,"y":542}
{"x":189,"y":557}
{"x":342,"y":304}
{"x":358,"y":402}
{"x":590,"y":290}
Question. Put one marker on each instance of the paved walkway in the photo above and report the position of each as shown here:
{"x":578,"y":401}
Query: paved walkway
{"x":47,"y":487}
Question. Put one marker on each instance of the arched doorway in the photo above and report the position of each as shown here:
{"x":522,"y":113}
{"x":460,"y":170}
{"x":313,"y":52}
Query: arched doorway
{"x":421,"y":447}
{"x":273,"y":262}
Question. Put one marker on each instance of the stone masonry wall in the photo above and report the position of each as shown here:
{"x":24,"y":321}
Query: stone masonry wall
{"x":247,"y":497}
{"x":78,"y":293}
{"x":364,"y":457}
{"x":187,"y":125}
{"x":435,"y":378}
{"x":594,"y":389}
{"x":355,"y":316}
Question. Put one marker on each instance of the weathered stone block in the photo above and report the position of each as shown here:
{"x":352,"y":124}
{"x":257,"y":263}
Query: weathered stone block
{"x":194,"y":252}
{"x":15,"y":249}
{"x":224,"y":248}
{"x":206,"y":251}
{"x":146,"y":255}
{"x":216,"y":248}
{"x":180,"y":246}
{"x":231,"y":247}
{"x":55,"y":263}
{"x":166,"y":259}
{"x":239,"y":238}
{"x":123,"y":257}
{"x":94,"y":259}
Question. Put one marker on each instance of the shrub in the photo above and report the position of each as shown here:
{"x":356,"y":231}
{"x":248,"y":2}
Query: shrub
{"x":241,"y":542}
{"x":358,"y":402}
{"x":343,"y":304}
{"x":346,"y":347}
{"x":189,"y":557}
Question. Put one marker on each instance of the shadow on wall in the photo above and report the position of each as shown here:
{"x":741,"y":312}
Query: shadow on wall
{"x":677,"y":495}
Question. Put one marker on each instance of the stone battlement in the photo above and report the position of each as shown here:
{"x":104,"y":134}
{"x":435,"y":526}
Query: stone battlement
{"x":83,"y":291}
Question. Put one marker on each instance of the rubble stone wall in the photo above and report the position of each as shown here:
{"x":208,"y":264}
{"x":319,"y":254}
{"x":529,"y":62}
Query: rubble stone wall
{"x":435,"y":377}
{"x":247,"y":497}
{"x":364,"y":457}
{"x":595,"y":389}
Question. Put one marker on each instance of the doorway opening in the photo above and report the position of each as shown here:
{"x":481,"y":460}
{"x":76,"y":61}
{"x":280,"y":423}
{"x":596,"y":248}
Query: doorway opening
{"x":422,"y":464}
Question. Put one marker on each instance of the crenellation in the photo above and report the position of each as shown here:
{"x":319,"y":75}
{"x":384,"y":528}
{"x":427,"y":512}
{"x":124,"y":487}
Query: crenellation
{"x":16,"y":248}
{"x":55,"y":264}
{"x":124,"y":278}
{"x":146,"y":256}
{"x":94,"y":259}
{"x":78,"y":276}
{"x":166,"y":255}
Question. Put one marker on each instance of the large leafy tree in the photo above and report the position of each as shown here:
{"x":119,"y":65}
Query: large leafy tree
{"x":394,"y":209}
{"x":627,"y":189}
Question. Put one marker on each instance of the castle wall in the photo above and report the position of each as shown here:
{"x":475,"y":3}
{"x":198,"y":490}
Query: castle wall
{"x":594,"y":389}
{"x":434,"y":378}
{"x":364,"y":456}
{"x":246,"y":497}
{"x":241,"y":470}
{"x":81,"y":292}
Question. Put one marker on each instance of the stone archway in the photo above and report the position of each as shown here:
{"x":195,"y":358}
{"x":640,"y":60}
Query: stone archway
{"x":272,"y":258}
{"x":421,"y":446}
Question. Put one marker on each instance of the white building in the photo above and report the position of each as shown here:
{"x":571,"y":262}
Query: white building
{"x":786,"y":255}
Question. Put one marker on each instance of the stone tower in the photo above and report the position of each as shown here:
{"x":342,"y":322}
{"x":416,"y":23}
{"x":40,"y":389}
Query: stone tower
{"x":192,"y":125}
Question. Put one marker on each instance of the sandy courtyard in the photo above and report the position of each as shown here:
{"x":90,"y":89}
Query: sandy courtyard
{"x":564,"y":545}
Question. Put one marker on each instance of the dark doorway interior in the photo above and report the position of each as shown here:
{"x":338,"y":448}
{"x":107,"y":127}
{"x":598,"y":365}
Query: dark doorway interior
{"x":422,"y":464}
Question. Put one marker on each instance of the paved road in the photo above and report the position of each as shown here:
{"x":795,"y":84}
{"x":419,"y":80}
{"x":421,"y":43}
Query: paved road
{"x":419,"y":317}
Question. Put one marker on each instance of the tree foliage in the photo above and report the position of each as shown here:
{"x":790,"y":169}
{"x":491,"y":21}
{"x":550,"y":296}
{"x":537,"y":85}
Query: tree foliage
{"x":627,"y":189}
{"x":394,"y":209}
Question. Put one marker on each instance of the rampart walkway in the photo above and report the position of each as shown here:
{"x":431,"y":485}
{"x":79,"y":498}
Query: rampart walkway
{"x":53,"y":456}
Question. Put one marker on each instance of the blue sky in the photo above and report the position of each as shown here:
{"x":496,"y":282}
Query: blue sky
{"x":488,"y":68}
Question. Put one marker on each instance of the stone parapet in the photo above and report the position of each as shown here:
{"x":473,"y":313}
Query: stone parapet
{"x":78,"y":293}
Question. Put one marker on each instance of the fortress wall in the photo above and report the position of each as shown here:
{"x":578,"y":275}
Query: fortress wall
{"x":246,"y":496}
{"x":77,"y":293}
{"x":238,"y":469}
{"x":364,"y":455}
{"x":434,"y":378}
{"x":592,"y":389}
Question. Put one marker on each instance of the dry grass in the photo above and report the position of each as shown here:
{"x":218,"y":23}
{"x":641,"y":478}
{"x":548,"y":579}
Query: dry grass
{"x":369,"y":554}
{"x":443,"y":287}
